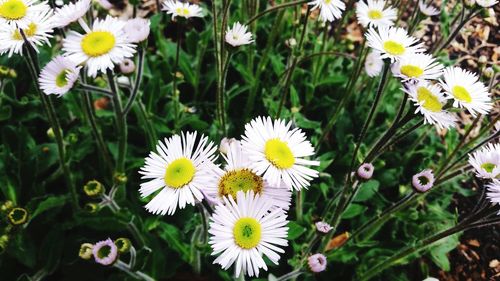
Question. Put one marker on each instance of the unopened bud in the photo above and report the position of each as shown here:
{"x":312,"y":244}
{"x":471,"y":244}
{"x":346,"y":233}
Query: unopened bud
{"x":17,"y":216}
{"x":127,"y":66}
{"x":365,"y":171}
{"x":120,"y":178}
{"x":225,"y":143}
{"x":91,"y":208}
{"x":4,"y":241}
{"x":470,"y":3}
{"x":6,"y":206}
{"x":73,"y":138}
{"x":423,"y":181}
{"x":488,"y":72}
{"x":482,"y":59}
{"x":86,"y":251}
{"x":93,"y":188}
{"x":317,"y":263}
{"x":323,"y":227}
{"x":123,"y":245}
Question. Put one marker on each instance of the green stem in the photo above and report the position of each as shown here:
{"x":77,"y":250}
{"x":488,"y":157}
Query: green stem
{"x":138,"y":80}
{"x":121,"y":125}
{"x":175,"y":92}
{"x":275,"y":8}
{"x":91,"y":88}
{"x":295,"y":58}
{"x":298,"y":206}
{"x":34,"y":68}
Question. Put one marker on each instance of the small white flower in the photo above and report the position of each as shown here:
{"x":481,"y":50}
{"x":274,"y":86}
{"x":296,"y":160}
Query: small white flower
{"x":243,"y":232}
{"x":393,"y":42}
{"x":238,"y":176}
{"x":278,"y":153}
{"x":467,"y":91}
{"x":180,"y":168}
{"x":429,"y":102}
{"x":58,"y":76}
{"x":486,"y":3}
{"x":428,"y":9}
{"x":238,"y":35}
{"x":486,"y":162}
{"x":180,"y":9}
{"x":19,"y":13}
{"x":71,"y":12}
{"x":137,"y":30}
{"x":373,"y":63}
{"x":417,"y":67}
{"x":38,"y":31}
{"x":329,"y":10}
{"x":493,"y":193}
{"x":375,"y":14}
{"x":99,"y":48}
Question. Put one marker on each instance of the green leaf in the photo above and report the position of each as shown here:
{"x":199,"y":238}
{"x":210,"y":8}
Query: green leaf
{"x":5,"y":112}
{"x":367,"y":190}
{"x":295,"y":230}
{"x":353,"y":211}
{"x":49,"y":203}
{"x":172,"y":236}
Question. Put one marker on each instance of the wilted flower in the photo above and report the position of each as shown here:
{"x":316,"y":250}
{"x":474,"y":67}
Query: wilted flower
{"x":323,"y":227}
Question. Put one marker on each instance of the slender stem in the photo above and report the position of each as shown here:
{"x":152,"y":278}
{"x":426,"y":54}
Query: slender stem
{"x":138,"y":80}
{"x":290,"y":275}
{"x":222,"y":95}
{"x":175,"y":92}
{"x":295,"y":58}
{"x":378,"y":96}
{"x":86,"y":87}
{"x":120,"y":124}
{"x":34,"y":68}
{"x":101,"y":146}
{"x":135,"y":274}
{"x":299,"y":206}
{"x":275,"y":8}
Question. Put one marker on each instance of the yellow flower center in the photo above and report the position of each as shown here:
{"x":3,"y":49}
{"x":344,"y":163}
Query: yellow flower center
{"x":98,"y":43}
{"x":247,"y":233}
{"x":488,"y":167}
{"x":179,"y":173}
{"x":430,"y":101}
{"x":13,"y":9}
{"x":461,"y":93}
{"x":182,"y":11}
{"x":28,"y":32}
{"x":411,"y":71}
{"x":394,"y":48}
{"x":61,"y":80}
{"x":375,"y":14}
{"x":241,"y":180}
{"x":279,"y":154}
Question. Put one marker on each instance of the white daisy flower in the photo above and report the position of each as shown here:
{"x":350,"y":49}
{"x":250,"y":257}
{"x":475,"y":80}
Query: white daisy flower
{"x":486,"y":3}
{"x":38,"y":31}
{"x":137,"y":30}
{"x":180,"y":9}
{"x":486,"y":161}
{"x":277,"y":153}
{"x":101,"y":47}
{"x":417,"y":67}
{"x":329,"y":10}
{"x":19,"y":13}
{"x":71,"y":12}
{"x":393,"y":42}
{"x":493,"y":193}
{"x":373,"y":63}
{"x":245,"y":231}
{"x":428,"y":9}
{"x":238,"y":35}
{"x":179,"y":170}
{"x":237,"y":175}
{"x":58,"y":76}
{"x":467,"y":91}
{"x":374,"y":13}
{"x":429,"y":102}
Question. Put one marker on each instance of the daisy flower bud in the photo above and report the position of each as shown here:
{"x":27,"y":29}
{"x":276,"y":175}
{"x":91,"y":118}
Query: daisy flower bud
{"x":488,"y":72}
{"x":323,"y":227}
{"x":120,"y":178}
{"x":93,"y":188}
{"x":238,"y":35}
{"x":423,"y":181}
{"x":127,"y":66}
{"x":105,"y":252}
{"x":17,"y":216}
{"x":123,"y":245}
{"x":4,"y":71}
{"x":292,"y":42}
{"x":137,"y":30}
{"x":373,"y":63}
{"x":7,"y":206}
{"x":317,"y":263}
{"x":4,"y":240}
{"x":85,"y":251}
{"x":91,"y":208}
{"x":365,"y":171}
{"x":225,"y":143}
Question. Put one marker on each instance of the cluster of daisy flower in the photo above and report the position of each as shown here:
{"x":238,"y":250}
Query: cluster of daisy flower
{"x":101,"y":46}
{"x":105,"y":252}
{"x":251,"y":191}
{"x":426,"y":81}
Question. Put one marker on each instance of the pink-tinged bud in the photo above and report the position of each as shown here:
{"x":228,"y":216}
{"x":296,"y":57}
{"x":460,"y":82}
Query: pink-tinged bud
{"x":423,"y":181}
{"x":105,"y":252}
{"x":323,"y":227}
{"x":127,"y":66}
{"x":365,"y":171}
{"x":317,"y":263}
